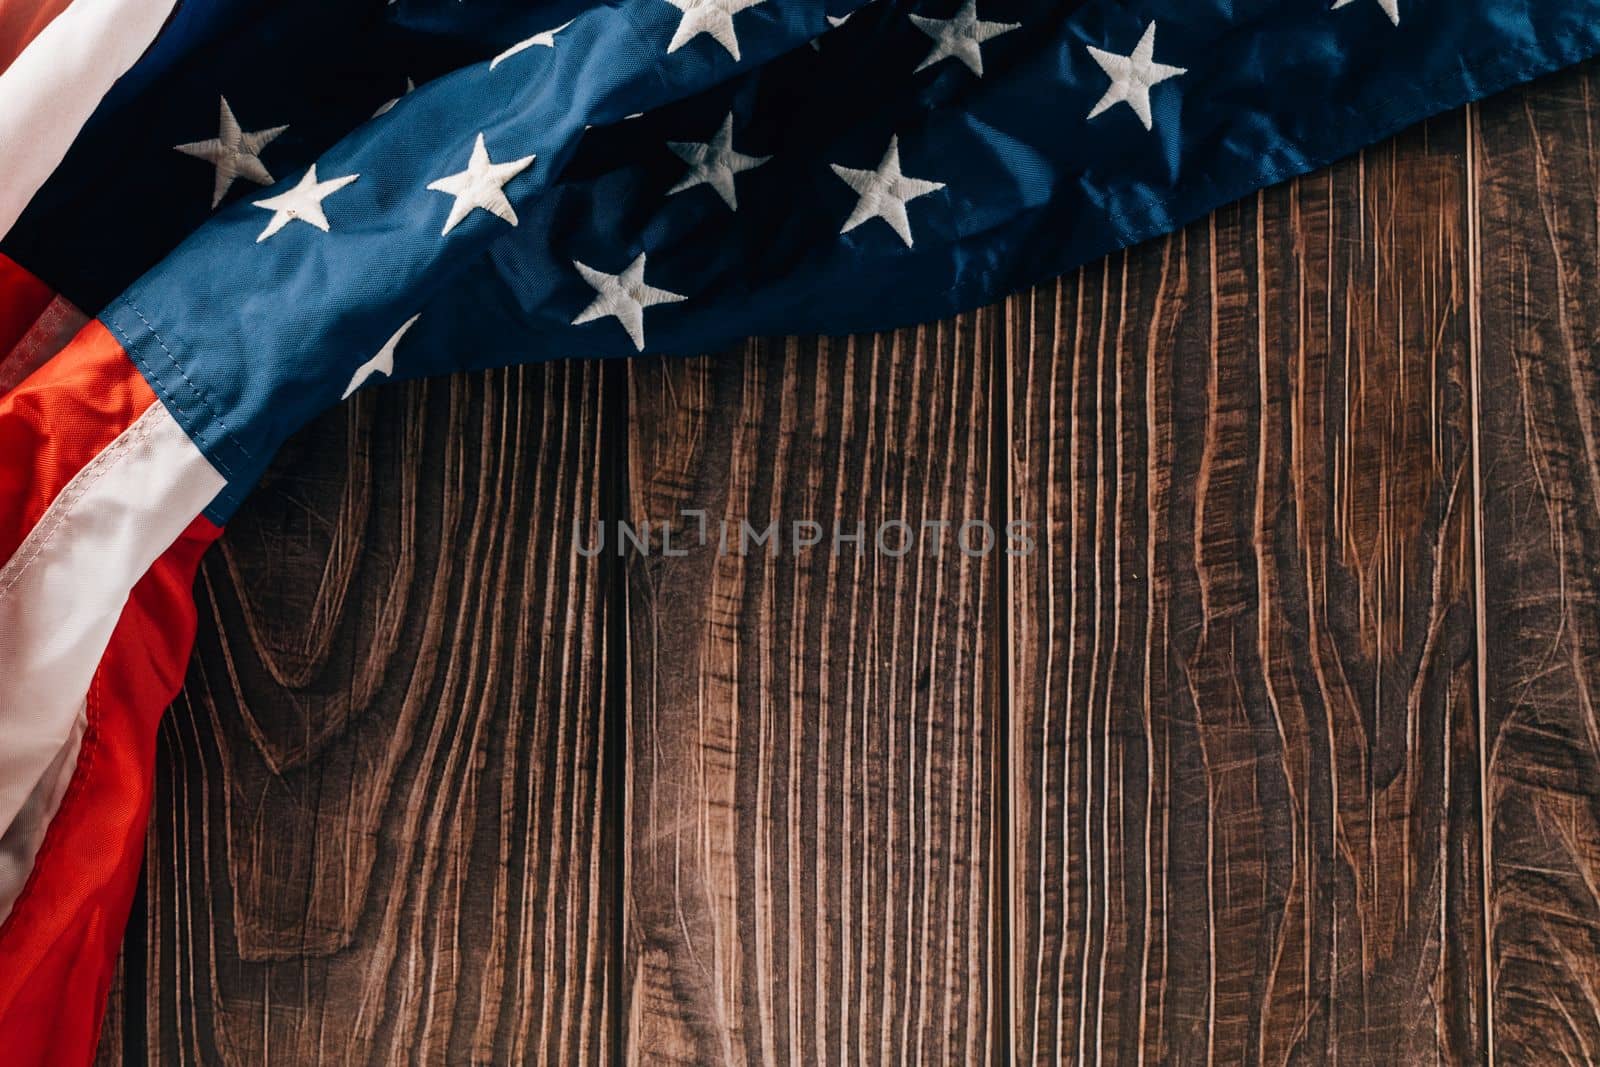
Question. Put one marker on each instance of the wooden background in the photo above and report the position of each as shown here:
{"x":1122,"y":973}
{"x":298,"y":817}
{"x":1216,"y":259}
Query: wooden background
{"x":1281,"y":748}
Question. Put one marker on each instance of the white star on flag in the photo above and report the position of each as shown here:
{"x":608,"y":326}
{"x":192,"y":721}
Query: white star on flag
{"x":481,"y":185}
{"x":303,"y":202}
{"x":1133,"y":76}
{"x":234,"y":153}
{"x":382,"y":363}
{"x":714,"y":163}
{"x":714,"y":17}
{"x":623,"y":297}
{"x":961,"y":36}
{"x":884,"y":193}
{"x":1390,"y":8}
{"x":543,"y":39}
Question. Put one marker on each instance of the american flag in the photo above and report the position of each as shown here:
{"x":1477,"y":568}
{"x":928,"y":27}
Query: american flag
{"x":269,"y":206}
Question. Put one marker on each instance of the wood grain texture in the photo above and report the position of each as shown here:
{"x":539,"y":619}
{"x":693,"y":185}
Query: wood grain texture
{"x":812,"y":842}
{"x":1537,"y":176}
{"x":381,"y":831}
{"x":1245,"y":775}
{"x":113,"y":1048}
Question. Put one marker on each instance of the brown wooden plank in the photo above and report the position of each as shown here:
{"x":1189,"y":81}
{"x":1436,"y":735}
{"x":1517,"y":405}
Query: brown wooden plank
{"x":1537,"y":181}
{"x":380,"y":830}
{"x":814,"y":860}
{"x":112,"y":1049}
{"x":1244,"y":656}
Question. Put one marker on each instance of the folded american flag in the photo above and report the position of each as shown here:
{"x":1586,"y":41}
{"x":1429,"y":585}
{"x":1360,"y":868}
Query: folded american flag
{"x":272,"y":205}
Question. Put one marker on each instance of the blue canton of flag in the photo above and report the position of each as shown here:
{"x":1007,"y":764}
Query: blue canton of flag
{"x":524,"y":183}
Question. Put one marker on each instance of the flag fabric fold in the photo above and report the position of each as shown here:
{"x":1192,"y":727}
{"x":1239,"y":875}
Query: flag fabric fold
{"x":57,"y":81}
{"x":282,"y":204}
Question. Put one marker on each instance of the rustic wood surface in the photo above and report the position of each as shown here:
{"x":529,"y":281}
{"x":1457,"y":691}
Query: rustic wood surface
{"x":1244,"y":672}
{"x":1537,"y":187}
{"x":408,"y":851}
{"x":812,"y":840}
{"x":1280,"y":746}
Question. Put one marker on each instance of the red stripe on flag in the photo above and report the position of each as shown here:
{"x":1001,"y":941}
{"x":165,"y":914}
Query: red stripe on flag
{"x":21,"y":21}
{"x":23,"y":299}
{"x":59,"y":943}
{"x":58,"y":948}
{"x":57,"y":421}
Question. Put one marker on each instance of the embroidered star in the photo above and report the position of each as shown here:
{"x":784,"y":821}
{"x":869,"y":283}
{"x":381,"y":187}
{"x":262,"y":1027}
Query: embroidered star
{"x":884,"y":193}
{"x":481,"y":185}
{"x":411,"y":87}
{"x":303,"y":202}
{"x":382,"y":363}
{"x":543,"y":39}
{"x":1133,"y":76}
{"x":709,"y":16}
{"x":623,"y":297}
{"x":1390,"y":8}
{"x":961,"y":36}
{"x":234,"y":153}
{"x":714,"y":163}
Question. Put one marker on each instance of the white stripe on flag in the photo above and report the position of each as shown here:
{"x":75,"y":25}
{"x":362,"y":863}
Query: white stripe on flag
{"x":64,"y":589}
{"x":56,"y":83}
{"x":19,"y":845}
